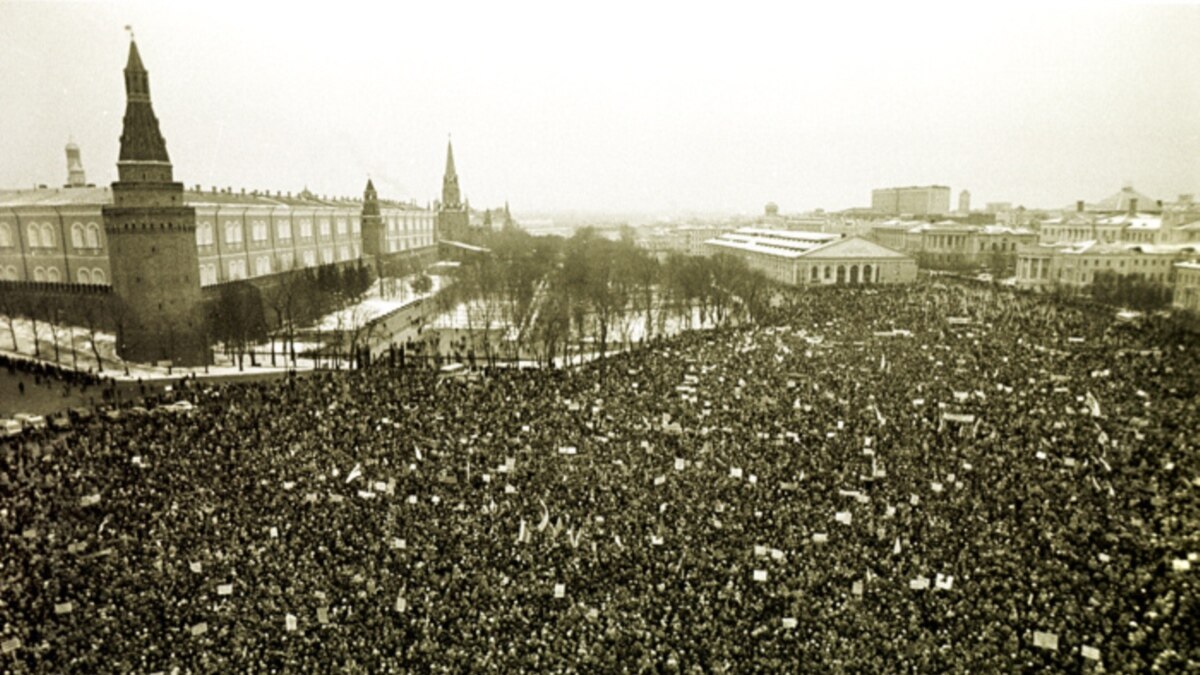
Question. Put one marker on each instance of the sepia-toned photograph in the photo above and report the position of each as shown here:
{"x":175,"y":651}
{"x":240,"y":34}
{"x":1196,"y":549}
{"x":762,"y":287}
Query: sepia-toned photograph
{"x":622,"y":337}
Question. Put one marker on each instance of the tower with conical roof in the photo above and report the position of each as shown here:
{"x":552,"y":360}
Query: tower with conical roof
{"x":452,"y":214}
{"x":152,"y":241}
{"x":75,"y":175}
{"x":374,"y":235}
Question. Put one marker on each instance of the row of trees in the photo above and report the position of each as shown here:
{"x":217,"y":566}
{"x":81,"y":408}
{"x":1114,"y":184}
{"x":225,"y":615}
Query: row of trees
{"x":243,"y":314}
{"x":540,"y":296}
{"x":57,"y":317}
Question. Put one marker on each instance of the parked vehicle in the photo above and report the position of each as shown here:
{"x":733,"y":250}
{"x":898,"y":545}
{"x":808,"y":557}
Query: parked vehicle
{"x":30,"y":421}
{"x":10,"y":427}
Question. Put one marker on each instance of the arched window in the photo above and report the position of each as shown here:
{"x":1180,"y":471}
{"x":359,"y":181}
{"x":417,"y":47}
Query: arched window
{"x":341,"y":226}
{"x":854,"y":274}
{"x":76,"y":236}
{"x":83,"y":276}
{"x":262,"y":265}
{"x":310,"y":258}
{"x":5,"y":235}
{"x":841,"y":274}
{"x":39,"y":274}
{"x":867,"y":274}
{"x":33,"y":236}
{"x":93,"y":235}
{"x":10,"y":273}
{"x":283,"y":230}
{"x":47,"y":235}
{"x":98,"y":276}
{"x":306,"y":228}
{"x":816,"y":273}
{"x":828,"y":273}
{"x":53,"y":275}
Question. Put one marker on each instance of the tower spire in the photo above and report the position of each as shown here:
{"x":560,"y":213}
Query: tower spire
{"x":451,"y":198}
{"x":143,"y":155}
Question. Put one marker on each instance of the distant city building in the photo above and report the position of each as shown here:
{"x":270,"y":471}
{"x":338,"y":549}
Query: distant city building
{"x":964,"y":202}
{"x":949,"y":244}
{"x":157,"y":247}
{"x":998,"y":207}
{"x":1174,"y":223}
{"x":916,"y":200}
{"x":815,"y":258}
{"x":1075,"y":266}
{"x":1187,"y":286}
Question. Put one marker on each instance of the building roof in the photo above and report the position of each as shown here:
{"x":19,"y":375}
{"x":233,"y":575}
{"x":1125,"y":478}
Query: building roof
{"x":854,"y":247}
{"x":1092,"y":247}
{"x":1002,"y":229}
{"x":1189,"y":265}
{"x":1121,"y":200}
{"x":1140,"y":221}
{"x":803,"y":244}
{"x":102,"y":196}
{"x":781,"y":243}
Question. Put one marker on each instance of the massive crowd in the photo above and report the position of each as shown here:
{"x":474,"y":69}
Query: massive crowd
{"x":936,"y":478}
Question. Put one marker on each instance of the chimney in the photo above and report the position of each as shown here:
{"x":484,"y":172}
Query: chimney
{"x":1079,"y":206}
{"x":1133,"y":206}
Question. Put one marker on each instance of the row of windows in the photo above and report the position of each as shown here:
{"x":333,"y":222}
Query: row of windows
{"x":236,"y":268}
{"x":41,"y":235}
{"x":83,"y":275}
{"x":394,"y":245}
{"x":259,"y":230}
{"x":845,"y":273}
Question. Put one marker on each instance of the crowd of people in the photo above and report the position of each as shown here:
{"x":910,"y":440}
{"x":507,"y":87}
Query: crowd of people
{"x":42,"y":371}
{"x":933,"y":478}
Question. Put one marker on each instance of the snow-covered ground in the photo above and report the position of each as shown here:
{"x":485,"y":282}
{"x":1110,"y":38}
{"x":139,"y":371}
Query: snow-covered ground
{"x":75,"y":344}
{"x":75,"y":349}
{"x":382,"y":298}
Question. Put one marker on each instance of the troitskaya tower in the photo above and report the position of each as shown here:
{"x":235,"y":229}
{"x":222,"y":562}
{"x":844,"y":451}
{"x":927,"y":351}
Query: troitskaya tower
{"x":152,"y":241}
{"x":453,"y":218}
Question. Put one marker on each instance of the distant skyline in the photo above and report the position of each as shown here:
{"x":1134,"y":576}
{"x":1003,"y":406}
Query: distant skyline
{"x":634,"y":108}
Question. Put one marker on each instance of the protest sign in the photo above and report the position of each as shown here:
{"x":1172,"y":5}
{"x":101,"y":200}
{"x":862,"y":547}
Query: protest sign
{"x":1045,"y":640}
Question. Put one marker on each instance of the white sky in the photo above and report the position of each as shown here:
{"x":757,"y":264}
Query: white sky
{"x":620,"y":106}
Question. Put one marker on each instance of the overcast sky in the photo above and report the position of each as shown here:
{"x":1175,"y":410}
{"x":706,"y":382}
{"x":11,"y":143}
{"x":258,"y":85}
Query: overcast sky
{"x":620,"y":106}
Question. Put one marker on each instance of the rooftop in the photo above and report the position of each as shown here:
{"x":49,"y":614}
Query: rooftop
{"x":102,"y":196}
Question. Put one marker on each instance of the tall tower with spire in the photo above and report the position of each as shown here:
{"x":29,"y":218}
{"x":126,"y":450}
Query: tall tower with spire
{"x":75,"y":174}
{"x":373,"y":232}
{"x":152,"y":241}
{"x":453,"y":218}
